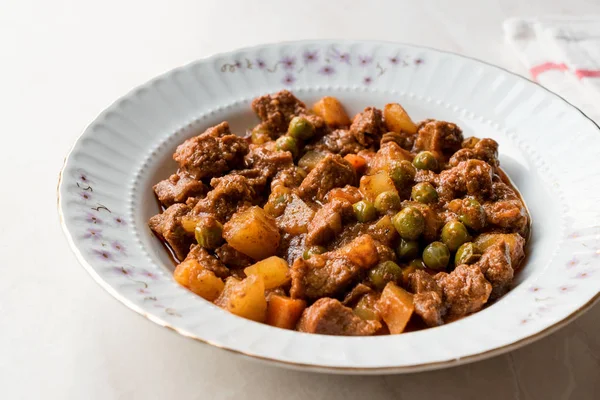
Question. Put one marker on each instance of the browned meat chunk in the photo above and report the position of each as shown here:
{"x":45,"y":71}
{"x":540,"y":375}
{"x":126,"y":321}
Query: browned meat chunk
{"x":472,"y":177}
{"x":231,"y":192}
{"x":291,"y":177}
{"x":168,"y":227}
{"x":485,"y":150}
{"x":465,"y":290}
{"x":508,"y":211}
{"x":339,"y":141}
{"x":330,"y":317}
{"x":232,"y":258}
{"x":384,"y":252}
{"x":331,"y":172}
{"x":367,"y":127}
{"x":276,"y":110}
{"x":471,"y":211}
{"x":329,"y":273}
{"x":496,"y":266}
{"x":428,"y":298}
{"x":212,"y":153}
{"x":207,"y":261}
{"x":403,"y":139}
{"x":327,"y":222}
{"x":268,"y":160}
{"x":178,"y":188}
{"x":439,"y":136}
{"x":291,"y":247}
{"x":356,"y":293}
{"x":253,"y":177}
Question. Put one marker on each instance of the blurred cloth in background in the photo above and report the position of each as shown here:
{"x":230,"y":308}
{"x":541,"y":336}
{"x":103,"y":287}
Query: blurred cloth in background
{"x":562,"y":54}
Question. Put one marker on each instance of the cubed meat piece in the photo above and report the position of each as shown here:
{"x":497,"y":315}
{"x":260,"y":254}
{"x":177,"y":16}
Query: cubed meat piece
{"x":331,"y":172}
{"x":212,"y":153}
{"x":268,"y":160}
{"x":291,"y":247}
{"x":253,"y":177}
{"x":339,"y":141}
{"x":485,"y":150}
{"x":465,"y":290}
{"x":327,"y":222}
{"x":178,"y":188}
{"x":230,"y":192}
{"x":384,"y":252}
{"x":405,"y":140}
{"x":232,"y":258}
{"x":496,"y":266}
{"x":207,"y":261}
{"x":471,"y":177}
{"x":367,"y":127}
{"x":329,"y":273}
{"x":438,"y":136}
{"x":291,"y":177}
{"x":356,"y":293}
{"x":330,"y":317}
{"x":509,"y":215}
{"x":168,"y":227}
{"x":276,"y":110}
{"x":296,"y":217}
{"x":428,"y":299}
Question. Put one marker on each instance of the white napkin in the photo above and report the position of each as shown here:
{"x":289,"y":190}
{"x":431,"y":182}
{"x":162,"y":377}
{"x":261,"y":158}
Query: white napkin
{"x":563,"y":54}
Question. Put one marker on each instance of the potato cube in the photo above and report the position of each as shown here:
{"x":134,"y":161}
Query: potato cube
{"x":273,"y":270}
{"x":203,"y":282}
{"x":390,"y":151}
{"x":332,"y":111}
{"x":396,"y":307}
{"x":371,"y":186}
{"x":253,"y":233}
{"x":244,"y":298}
{"x":397,"y":119}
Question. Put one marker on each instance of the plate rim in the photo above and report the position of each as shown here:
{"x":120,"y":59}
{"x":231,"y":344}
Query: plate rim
{"x":307,"y":366}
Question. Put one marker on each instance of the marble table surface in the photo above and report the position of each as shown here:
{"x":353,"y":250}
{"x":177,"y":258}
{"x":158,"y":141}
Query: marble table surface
{"x":63,"y":337}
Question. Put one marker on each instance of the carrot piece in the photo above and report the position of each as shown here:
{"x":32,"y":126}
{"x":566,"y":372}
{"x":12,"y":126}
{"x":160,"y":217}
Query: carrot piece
{"x":358,"y":163}
{"x":284,"y":312}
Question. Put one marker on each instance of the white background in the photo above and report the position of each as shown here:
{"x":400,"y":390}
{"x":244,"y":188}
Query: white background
{"x":63,"y":337}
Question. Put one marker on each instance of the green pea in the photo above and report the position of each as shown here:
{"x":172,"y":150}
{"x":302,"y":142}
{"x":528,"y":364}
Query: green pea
{"x":407,"y":249}
{"x":209,"y":233}
{"x":417,"y":263}
{"x":472,"y":214}
{"x":436,"y":255}
{"x":364,"y":211}
{"x":454,"y":234}
{"x":387,"y":201}
{"x":409,"y":223}
{"x":424,"y":192}
{"x":467,"y":253}
{"x":402,"y":173}
{"x":425,"y":160}
{"x":311,"y":251}
{"x":260,"y":135}
{"x":301,"y":128}
{"x":287,"y":143}
{"x":387,"y":271}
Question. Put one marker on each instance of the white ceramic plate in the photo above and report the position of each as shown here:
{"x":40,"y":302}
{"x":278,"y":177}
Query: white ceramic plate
{"x":548,"y":147}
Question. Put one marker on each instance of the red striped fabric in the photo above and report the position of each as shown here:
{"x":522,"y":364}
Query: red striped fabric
{"x":547,"y":66}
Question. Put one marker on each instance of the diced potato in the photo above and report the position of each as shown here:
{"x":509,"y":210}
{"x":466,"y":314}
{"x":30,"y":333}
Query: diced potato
{"x":189,"y":223}
{"x":253,"y":233}
{"x":310,"y":159}
{"x":371,"y":186}
{"x":203,"y":282}
{"x":273,"y":270}
{"x":332,"y":111}
{"x":396,"y":307}
{"x":366,"y":308}
{"x":284,"y":312}
{"x":244,"y":298}
{"x":362,"y":252}
{"x":397,"y":119}
{"x":390,"y":151}
{"x":384,"y":230}
{"x":514,"y":241}
{"x":296,"y":217}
